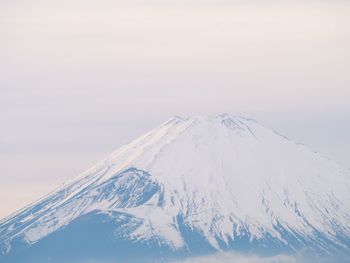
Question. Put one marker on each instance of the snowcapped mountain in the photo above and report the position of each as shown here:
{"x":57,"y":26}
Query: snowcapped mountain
{"x":190,"y":187}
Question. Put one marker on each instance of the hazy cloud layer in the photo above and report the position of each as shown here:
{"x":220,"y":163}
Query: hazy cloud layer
{"x":230,"y":257}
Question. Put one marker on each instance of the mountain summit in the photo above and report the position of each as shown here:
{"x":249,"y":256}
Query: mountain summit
{"x":191,"y":186}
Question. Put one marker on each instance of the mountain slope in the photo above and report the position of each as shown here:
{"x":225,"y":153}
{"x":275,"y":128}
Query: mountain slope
{"x":192,"y":186}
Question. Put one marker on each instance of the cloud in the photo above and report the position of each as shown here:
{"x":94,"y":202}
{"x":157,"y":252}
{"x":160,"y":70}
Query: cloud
{"x":230,"y":257}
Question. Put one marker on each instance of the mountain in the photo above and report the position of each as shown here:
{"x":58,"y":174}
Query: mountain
{"x":192,"y":186}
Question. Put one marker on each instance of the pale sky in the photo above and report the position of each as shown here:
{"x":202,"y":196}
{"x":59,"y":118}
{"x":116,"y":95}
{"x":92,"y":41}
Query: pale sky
{"x":80,"y":78}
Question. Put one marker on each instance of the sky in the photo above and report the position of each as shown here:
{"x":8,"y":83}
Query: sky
{"x":80,"y":78}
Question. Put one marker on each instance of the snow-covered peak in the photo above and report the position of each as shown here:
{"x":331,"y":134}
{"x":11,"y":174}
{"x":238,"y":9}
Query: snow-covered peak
{"x":226,"y":177}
